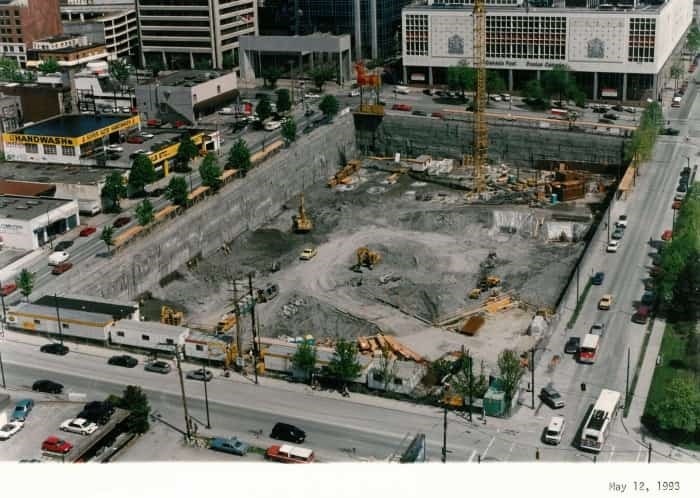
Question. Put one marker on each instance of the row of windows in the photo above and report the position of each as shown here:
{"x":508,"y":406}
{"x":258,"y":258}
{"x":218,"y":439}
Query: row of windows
{"x":642,"y":38}
{"x":50,"y":150}
{"x":417,"y":34}
{"x":526,"y":37}
{"x":147,"y":338}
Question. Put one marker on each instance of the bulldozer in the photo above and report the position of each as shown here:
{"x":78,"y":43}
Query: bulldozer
{"x":169,"y":316}
{"x":489,"y":282}
{"x":226,"y":323}
{"x":475,"y":293}
{"x":367,"y":258}
{"x":301,"y":223}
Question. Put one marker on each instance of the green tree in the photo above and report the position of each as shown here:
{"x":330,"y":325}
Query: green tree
{"x":114,"y":190}
{"x":239,"y":157}
{"x":141,"y":174}
{"x":533,"y":91}
{"x":25,"y":282}
{"x":263,"y":109}
{"x":494,"y":83}
{"x":107,"y":236}
{"x":177,"y":191}
{"x":329,"y":106}
{"x":677,"y":71}
{"x":559,"y":81}
{"x":185,"y":153}
{"x":679,"y":409}
{"x":135,"y":401}
{"x":387,"y":368}
{"x":119,"y":71}
{"x":693,"y":39}
{"x":466,"y":380}
{"x":8,"y":69}
{"x":461,"y":78}
{"x":289,"y":130}
{"x":270,"y":75}
{"x":144,"y":212}
{"x":49,"y":66}
{"x":284,"y":101}
{"x":304,"y":359}
{"x":344,"y":366}
{"x":510,"y":373}
{"x":322,"y":74}
{"x":156,"y":66}
{"x":210,"y":172}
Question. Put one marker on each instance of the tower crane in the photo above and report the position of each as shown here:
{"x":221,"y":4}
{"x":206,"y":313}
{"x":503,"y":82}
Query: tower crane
{"x":481,"y":132}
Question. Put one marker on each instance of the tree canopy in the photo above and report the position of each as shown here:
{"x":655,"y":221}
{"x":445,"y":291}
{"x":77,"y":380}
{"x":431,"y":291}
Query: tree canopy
{"x":144,"y":212}
{"x":304,"y":358}
{"x":264,"y":109}
{"x":559,"y":81}
{"x":329,"y":106}
{"x":141,"y":174}
{"x":177,"y":191}
{"x":270,"y":75}
{"x":510,"y":373}
{"x":135,"y":401}
{"x":49,"y":66}
{"x":119,"y":71}
{"x":107,"y":236}
{"x":344,"y":366}
{"x":210,"y":172}
{"x":322,"y":74}
{"x":679,"y":410}
{"x":239,"y":157}
{"x":284,"y":101}
{"x":461,"y":78}
{"x":186,"y":152}
{"x":25,"y":283}
{"x":289,"y":130}
{"x":114,"y":190}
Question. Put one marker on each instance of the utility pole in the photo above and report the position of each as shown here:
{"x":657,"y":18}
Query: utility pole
{"x":252,"y":318}
{"x":206,"y":395}
{"x":2,"y":338}
{"x":471,"y":385}
{"x":649,"y":454}
{"x":444,"y":435}
{"x":237,"y":311}
{"x":532,"y":369}
{"x":578,"y":265}
{"x":182,"y":390}
{"x":58,"y":318}
{"x":627,"y":385}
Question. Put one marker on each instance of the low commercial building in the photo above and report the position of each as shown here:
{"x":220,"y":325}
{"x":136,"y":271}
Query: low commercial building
{"x":186,"y":95}
{"x":27,"y":189}
{"x":10,"y":113}
{"x":405,"y":376}
{"x":69,"y":139}
{"x":43,"y":319}
{"x":30,"y":222}
{"x":209,"y":347}
{"x":154,"y":336}
{"x":40,"y":101}
{"x":69,"y":51}
{"x":96,"y":91}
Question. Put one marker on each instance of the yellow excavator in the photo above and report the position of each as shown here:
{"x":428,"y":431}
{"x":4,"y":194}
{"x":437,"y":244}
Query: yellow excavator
{"x":301,"y":223}
{"x":169,"y":316}
{"x":367,"y":258}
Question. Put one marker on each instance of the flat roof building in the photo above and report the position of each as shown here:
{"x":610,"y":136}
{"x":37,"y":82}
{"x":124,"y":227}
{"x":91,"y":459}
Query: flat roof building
{"x":69,"y":51}
{"x":147,"y":335}
{"x":118,"y":310}
{"x":30,"y":222}
{"x":68,"y":139}
{"x":621,"y":52}
{"x":10,"y":113}
{"x":42,"y":318}
{"x":24,"y":21}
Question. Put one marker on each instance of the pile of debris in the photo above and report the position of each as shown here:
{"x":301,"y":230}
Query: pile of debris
{"x":378,"y":343}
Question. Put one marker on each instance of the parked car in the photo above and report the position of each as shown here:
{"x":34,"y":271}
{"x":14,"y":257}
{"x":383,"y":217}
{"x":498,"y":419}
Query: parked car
{"x":354,"y":93}
{"x":55,"y":348}
{"x":79,"y":426}
{"x":613,"y":246}
{"x":401,"y":107}
{"x":123,"y":360}
{"x":115,"y":148}
{"x":135,"y":139}
{"x":618,"y":108}
{"x":437,"y":114}
{"x":62,"y":268}
{"x":605,"y":302}
{"x":8,"y":289}
{"x":631,"y":110}
{"x":598,"y":278}
{"x":157,"y":366}
{"x":667,"y":235}
{"x":98,"y":412}
{"x":273,"y":125}
{"x":551,"y":397}
{"x":670,"y":131}
{"x":87,"y":231}
{"x":682,"y":187}
{"x":598,"y":328}
{"x":288,"y":432}
{"x":22,"y":409}
{"x":58,"y":257}
{"x":505,"y":97}
{"x":308,"y":253}
{"x":572,"y":345}
{"x":418,"y":112}
{"x":606,"y":121}
{"x":231,"y":445}
{"x":648,"y":298}
{"x":495,"y":98}
{"x":63,"y":245}
{"x":54,"y":444}
{"x":121,"y":221}
{"x":200,"y":374}
{"x":47,"y":386}
{"x":10,"y":429}
{"x":622,"y":221}
{"x":554,"y":430}
{"x":642,"y":315}
{"x":145,"y":135}
{"x":617,"y":234}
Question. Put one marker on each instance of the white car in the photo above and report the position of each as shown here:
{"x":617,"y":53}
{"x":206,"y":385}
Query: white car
{"x":354,"y":93}
{"x":146,"y":135}
{"x":613,"y":245}
{"x":496,"y":98}
{"x":10,"y":429}
{"x":312,"y":96}
{"x":554,"y":431}
{"x":115,"y":148}
{"x":622,"y":221}
{"x":58,"y":257}
{"x":505,"y":97}
{"x":79,"y":426}
{"x":273,"y":125}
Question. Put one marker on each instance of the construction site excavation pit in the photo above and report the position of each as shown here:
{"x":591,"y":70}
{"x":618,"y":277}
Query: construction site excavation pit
{"x":437,"y":245}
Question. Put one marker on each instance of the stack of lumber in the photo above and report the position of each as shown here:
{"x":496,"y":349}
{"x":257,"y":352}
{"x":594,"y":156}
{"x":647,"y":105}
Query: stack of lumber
{"x":370,"y":345}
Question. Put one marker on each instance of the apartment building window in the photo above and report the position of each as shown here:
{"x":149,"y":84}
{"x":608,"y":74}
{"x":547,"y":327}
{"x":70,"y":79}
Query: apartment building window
{"x":37,"y":322}
{"x":144,"y":337}
{"x":526,"y":37}
{"x":31,"y":148}
{"x":120,"y":334}
{"x":642,"y":37}
{"x":200,"y":347}
{"x":416,"y":34}
{"x":50,"y":150}
{"x":65,"y":325}
{"x":68,"y":150}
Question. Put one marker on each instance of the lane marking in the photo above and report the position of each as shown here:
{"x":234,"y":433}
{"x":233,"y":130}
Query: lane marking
{"x":472,"y":456}
{"x":612,"y":453}
{"x":493,"y":439}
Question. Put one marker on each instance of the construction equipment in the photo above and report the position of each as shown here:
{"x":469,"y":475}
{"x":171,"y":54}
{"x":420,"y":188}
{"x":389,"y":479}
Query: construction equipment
{"x":481,"y":132}
{"x":342,"y":176}
{"x":475,"y":293}
{"x":269,"y":292}
{"x":226,"y":323}
{"x":169,"y":316}
{"x":367,"y":258}
{"x":301,"y":223}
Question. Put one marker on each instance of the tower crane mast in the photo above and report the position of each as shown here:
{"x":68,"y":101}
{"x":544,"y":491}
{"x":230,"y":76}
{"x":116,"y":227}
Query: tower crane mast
{"x":481,"y":132}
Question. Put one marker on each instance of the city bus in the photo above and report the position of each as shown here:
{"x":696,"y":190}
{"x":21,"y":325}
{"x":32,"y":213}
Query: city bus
{"x":588,"y":352}
{"x":598,"y":423}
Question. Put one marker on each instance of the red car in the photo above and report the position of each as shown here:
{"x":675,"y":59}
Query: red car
{"x":401,"y":107}
{"x":62,"y":268}
{"x":121,"y":221}
{"x":676,"y":205}
{"x":667,"y":235}
{"x":438,"y":115}
{"x":8,"y":289}
{"x":134,"y":139}
{"x":87,"y":231}
{"x":56,"y":445}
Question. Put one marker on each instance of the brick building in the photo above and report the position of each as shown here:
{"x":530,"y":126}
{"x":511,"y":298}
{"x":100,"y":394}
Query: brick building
{"x":23,"y":21}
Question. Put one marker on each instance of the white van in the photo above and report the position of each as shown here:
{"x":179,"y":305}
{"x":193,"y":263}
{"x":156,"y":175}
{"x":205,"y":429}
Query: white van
{"x":402,"y":89}
{"x":554,"y":431}
{"x":676,"y":102}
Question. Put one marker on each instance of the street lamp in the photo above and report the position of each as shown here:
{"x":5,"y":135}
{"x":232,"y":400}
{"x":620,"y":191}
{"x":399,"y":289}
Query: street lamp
{"x":206,"y":395}
{"x":176,"y":350}
{"x":532,"y":370}
{"x":58,"y":319}
{"x":2,"y":337}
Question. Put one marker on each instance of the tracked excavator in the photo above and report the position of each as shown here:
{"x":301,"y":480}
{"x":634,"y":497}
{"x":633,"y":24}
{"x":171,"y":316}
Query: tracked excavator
{"x":301,"y":223}
{"x":367,"y":258}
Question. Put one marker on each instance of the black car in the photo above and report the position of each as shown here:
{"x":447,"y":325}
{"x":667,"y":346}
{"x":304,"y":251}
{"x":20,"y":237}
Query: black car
{"x":606,"y":121}
{"x":598,"y":278}
{"x":288,"y":432}
{"x":670,"y":131}
{"x":55,"y":348}
{"x":237,"y":126}
{"x":572,"y":345}
{"x":418,"y":112}
{"x":47,"y":386}
{"x":156,"y":192}
{"x":682,"y":187}
{"x":98,"y":412}
{"x":552,"y":397}
{"x":62,"y":246}
{"x":648,"y":298}
{"x":610,"y":115}
{"x":123,"y":360}
{"x":618,"y":108}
